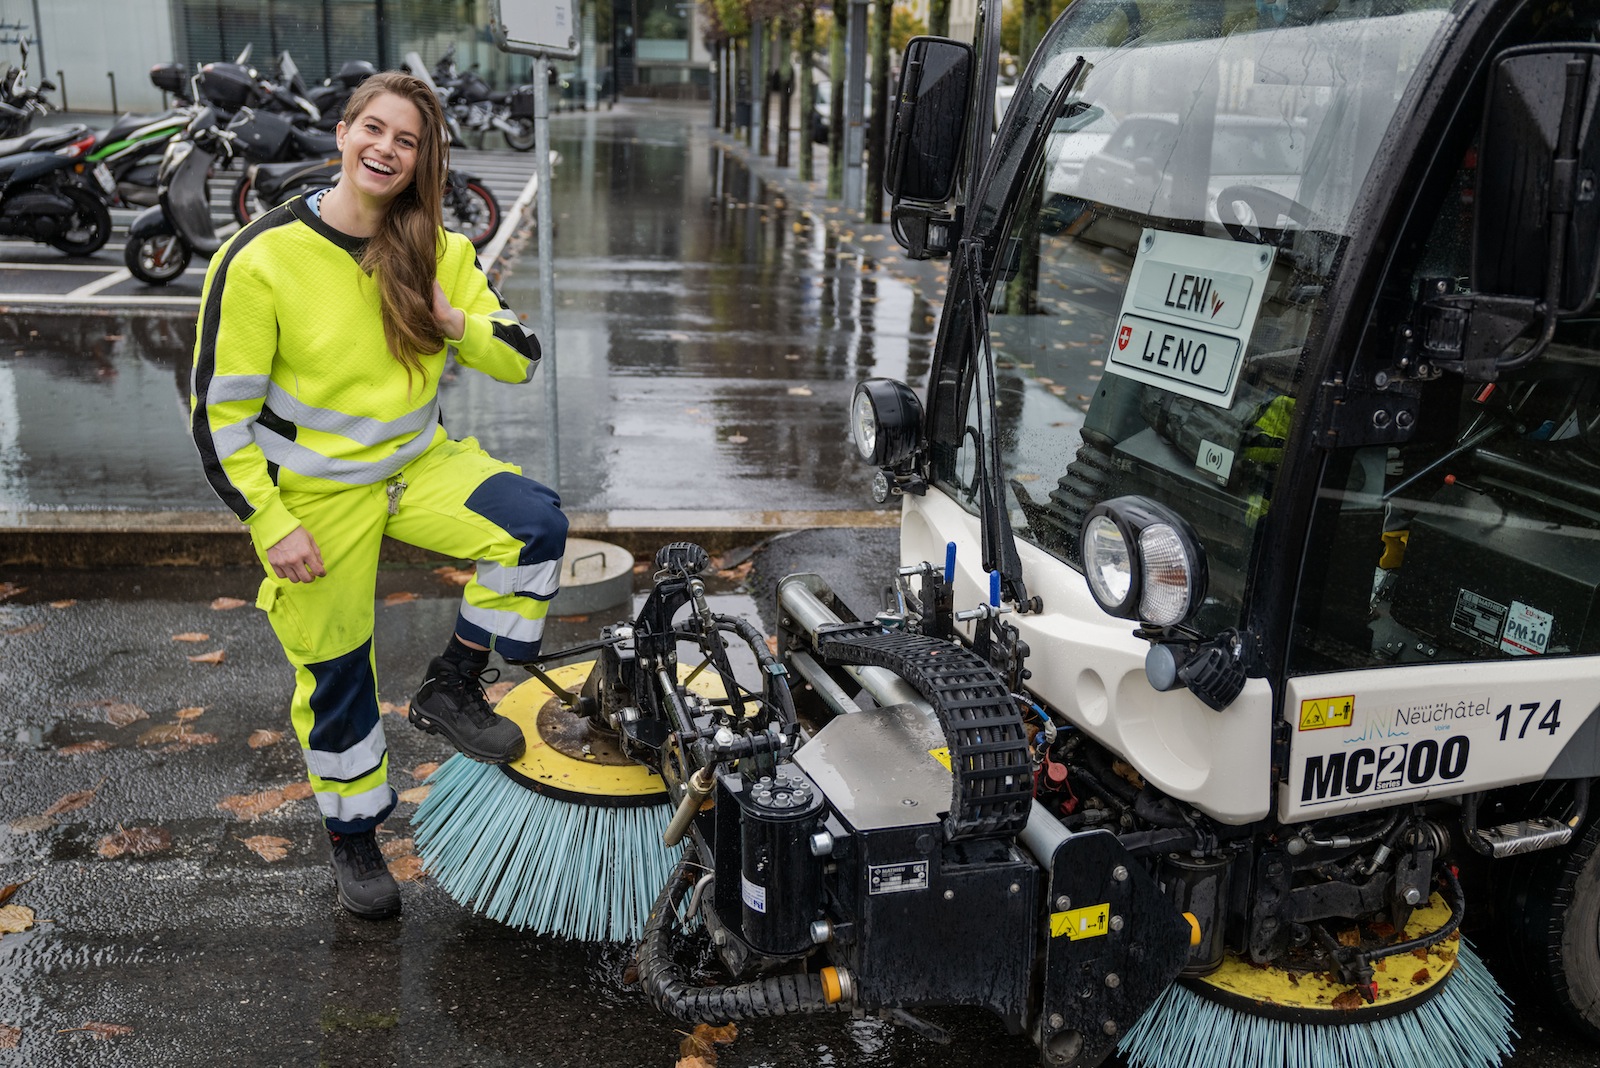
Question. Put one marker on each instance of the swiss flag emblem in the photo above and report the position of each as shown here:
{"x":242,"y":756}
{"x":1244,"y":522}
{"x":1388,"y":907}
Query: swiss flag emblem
{"x":1124,"y":335}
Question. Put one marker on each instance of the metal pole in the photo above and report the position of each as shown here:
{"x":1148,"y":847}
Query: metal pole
{"x":758,"y":82}
{"x":112,"y":75}
{"x":855,"y":95}
{"x":547,"y":279}
{"x":590,"y":90}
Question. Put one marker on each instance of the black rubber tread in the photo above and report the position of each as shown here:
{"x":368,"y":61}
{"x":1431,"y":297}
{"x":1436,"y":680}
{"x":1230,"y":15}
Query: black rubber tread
{"x":663,"y":982}
{"x":525,"y":139}
{"x":92,"y":210}
{"x":132,"y":258}
{"x":1552,"y":903}
{"x":992,"y":769}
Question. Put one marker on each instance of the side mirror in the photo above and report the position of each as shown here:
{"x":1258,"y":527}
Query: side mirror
{"x":1538,"y":178}
{"x":930,"y":120}
{"x":47,"y":86}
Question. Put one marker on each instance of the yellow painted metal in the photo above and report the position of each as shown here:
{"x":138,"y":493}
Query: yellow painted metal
{"x":1399,"y":978}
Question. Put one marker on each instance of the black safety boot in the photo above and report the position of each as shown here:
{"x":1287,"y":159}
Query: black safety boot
{"x":451,"y":702}
{"x":365,"y":886}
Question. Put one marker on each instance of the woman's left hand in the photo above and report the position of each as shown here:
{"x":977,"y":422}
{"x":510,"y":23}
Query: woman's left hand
{"x":451,"y":320}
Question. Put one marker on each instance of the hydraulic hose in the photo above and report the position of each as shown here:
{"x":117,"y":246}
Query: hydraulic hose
{"x":663,"y":981}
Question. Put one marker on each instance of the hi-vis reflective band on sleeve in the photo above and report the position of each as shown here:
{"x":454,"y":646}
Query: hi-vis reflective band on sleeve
{"x":1093,"y":921}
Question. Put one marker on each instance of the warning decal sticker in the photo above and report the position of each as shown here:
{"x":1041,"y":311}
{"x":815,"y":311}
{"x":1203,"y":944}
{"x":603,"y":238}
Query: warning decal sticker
{"x":1091,"y":922}
{"x":1323,"y":712}
{"x":1478,"y":616}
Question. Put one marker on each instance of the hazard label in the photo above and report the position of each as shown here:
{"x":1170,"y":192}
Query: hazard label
{"x":1323,"y":712}
{"x":942,"y":755}
{"x":1093,"y":921}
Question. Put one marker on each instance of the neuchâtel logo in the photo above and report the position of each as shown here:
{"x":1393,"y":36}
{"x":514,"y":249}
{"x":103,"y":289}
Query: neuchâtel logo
{"x":1323,"y":712}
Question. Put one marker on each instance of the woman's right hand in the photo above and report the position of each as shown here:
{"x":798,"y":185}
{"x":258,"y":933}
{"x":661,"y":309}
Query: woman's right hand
{"x":296,"y":557}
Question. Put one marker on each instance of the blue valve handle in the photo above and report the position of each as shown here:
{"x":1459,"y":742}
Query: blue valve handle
{"x":994,"y":589}
{"x":949,"y":562}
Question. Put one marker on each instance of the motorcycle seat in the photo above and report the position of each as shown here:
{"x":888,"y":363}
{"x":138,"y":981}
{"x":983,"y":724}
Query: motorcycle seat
{"x":46,"y":137}
{"x":499,"y":98}
{"x":129,"y":122}
{"x":315,"y":142}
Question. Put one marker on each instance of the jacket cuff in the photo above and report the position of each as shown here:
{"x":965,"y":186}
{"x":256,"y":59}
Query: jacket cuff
{"x":271,"y":523}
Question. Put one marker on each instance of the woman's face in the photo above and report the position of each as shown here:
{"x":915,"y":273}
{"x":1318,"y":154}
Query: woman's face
{"x":380,"y":147}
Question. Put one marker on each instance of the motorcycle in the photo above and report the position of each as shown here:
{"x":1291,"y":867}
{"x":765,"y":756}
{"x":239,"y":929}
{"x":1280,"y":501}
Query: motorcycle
{"x":469,"y":207}
{"x":163,"y":239}
{"x":263,"y":137}
{"x":469,"y":103}
{"x":133,"y":146}
{"x":21,"y":103}
{"x":331,"y":96}
{"x":43,"y":192}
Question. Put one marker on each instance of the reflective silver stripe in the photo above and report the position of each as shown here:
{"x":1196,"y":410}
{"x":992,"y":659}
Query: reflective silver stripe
{"x":233,"y":437}
{"x":225,"y":388}
{"x":354,"y":762}
{"x":503,"y":624}
{"x":361,"y":428}
{"x":303,"y":461}
{"x":536,"y":580}
{"x":362,"y":806}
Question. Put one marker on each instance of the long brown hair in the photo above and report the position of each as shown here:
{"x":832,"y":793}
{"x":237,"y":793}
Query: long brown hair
{"x":404,"y":253}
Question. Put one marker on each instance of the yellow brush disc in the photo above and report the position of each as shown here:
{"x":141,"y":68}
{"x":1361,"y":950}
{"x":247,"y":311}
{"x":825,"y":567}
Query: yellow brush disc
{"x":567,"y":758}
{"x":1402,"y":981}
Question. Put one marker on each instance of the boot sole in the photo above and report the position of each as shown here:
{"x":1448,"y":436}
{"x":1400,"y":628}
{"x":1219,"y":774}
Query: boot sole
{"x":366,"y":912}
{"x":423,"y":723}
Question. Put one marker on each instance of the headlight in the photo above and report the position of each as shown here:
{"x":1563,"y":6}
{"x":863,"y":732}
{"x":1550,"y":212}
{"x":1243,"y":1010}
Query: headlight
{"x":1143,"y":561}
{"x":885,"y":420}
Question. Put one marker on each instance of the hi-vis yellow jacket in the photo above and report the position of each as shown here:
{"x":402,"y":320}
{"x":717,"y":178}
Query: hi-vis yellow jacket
{"x":293,"y":384}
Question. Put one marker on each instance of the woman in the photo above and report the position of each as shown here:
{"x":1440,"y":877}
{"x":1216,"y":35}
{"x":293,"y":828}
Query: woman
{"x":323,"y":332}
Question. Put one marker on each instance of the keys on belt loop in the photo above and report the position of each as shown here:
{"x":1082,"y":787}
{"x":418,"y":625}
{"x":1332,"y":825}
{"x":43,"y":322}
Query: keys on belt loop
{"x":394,"y":488}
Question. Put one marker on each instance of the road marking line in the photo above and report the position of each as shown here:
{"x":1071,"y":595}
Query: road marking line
{"x":8,"y":300}
{"x":24,"y":265}
{"x":104,"y":283}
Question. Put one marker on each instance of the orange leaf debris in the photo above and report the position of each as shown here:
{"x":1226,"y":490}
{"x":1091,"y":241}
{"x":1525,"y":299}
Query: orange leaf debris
{"x":93,"y":745}
{"x":416,"y":795}
{"x":252,"y":806}
{"x":119,"y":714}
{"x":268,"y":847}
{"x":224,"y":604}
{"x":407,"y":869}
{"x":191,"y":636}
{"x":422,"y":771}
{"x":399,"y":597}
{"x":139,"y":841}
{"x":215,"y":656}
{"x":260,"y":739}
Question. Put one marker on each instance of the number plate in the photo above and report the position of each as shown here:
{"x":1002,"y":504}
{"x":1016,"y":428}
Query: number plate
{"x":102,"y":174}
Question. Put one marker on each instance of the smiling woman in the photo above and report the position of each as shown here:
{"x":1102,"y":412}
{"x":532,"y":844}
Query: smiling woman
{"x":324,"y":330}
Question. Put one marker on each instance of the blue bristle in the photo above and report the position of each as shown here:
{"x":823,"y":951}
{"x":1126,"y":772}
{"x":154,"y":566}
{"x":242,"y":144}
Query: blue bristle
{"x":586,"y":872}
{"x":1466,"y":1025}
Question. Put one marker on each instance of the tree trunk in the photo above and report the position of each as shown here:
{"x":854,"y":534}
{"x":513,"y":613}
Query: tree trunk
{"x":877,"y":126}
{"x":836,"y":96}
{"x":939,"y":18}
{"x":1035,"y":20}
{"x":785,"y":73}
{"x":808,"y":48}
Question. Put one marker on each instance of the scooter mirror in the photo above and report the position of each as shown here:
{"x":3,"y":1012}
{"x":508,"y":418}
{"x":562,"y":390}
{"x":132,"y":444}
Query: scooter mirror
{"x":930,"y":120}
{"x":1538,"y":172}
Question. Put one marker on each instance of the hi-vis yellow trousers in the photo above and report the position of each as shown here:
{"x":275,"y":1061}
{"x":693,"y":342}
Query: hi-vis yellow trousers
{"x":454,"y":499}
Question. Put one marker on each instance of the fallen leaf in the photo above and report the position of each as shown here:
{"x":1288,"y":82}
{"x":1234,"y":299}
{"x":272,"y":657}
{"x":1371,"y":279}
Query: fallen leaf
{"x":68,"y":603}
{"x":189,"y":737}
{"x":399,"y":597}
{"x":8,"y":891}
{"x":694,"y":1048}
{"x":94,"y":745}
{"x":186,"y":714}
{"x":496,"y":691}
{"x":191,"y":636}
{"x":739,"y":573}
{"x":214,"y":657}
{"x":389,"y":708}
{"x":10,"y":1037}
{"x":14,"y":919}
{"x":1381,"y":929}
{"x":798,"y":391}
{"x":120,"y":715}
{"x":737,"y":439}
{"x":297,"y":791}
{"x":630,"y":974}
{"x":71,"y":802}
{"x":721,"y":1036}
{"x":100,"y":1030}
{"x":161,"y":735}
{"x":456,"y":576}
{"x":422,"y":771}
{"x":406,"y":869}
{"x":9,"y":590}
{"x":1350,"y":999}
{"x":772,"y":644}
{"x":572,"y":619}
{"x":1422,"y":976}
{"x":267,"y":847}
{"x":139,"y":841}
{"x":416,"y":795}
{"x":32,"y":824}
{"x":262,"y":738}
{"x":640,"y":568}
{"x":399,"y":847}
{"x":252,"y":806}
{"x":31,"y":628}
{"x":223,"y":604}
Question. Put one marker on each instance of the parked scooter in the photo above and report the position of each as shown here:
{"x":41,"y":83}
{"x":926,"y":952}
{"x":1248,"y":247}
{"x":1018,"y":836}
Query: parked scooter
{"x":265,"y":137}
{"x":331,"y":96}
{"x":21,"y":103}
{"x":469,"y":103}
{"x":163,"y":239}
{"x":469,"y":207}
{"x":44,"y":191}
{"x":134,"y":145}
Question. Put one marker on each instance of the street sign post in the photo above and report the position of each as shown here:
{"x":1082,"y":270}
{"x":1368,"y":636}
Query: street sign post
{"x":545,"y":30}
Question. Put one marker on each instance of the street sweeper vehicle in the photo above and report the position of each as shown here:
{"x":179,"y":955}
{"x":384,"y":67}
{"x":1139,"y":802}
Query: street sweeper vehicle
{"x":1245,"y":646}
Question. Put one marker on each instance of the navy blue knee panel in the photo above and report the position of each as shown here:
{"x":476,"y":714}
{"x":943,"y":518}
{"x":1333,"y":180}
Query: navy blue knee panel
{"x":527,"y":510}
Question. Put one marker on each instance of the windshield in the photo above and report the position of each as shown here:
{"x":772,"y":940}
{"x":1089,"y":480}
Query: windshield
{"x":1156,"y":278}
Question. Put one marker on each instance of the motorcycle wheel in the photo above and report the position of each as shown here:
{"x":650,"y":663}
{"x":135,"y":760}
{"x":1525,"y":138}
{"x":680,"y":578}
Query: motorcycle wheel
{"x":91,"y":223}
{"x":522,"y":140}
{"x":473,"y":211}
{"x":246,"y":205}
{"x":156,"y":260}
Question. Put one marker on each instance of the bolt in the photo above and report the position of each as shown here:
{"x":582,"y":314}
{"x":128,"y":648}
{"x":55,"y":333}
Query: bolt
{"x":1119,"y":873}
{"x":1274,"y":869}
{"x":1380,"y":418}
{"x":1413,"y":895}
{"x":1404,"y":420}
{"x":1063,"y":903}
{"x":1057,"y":1020}
{"x":720,"y":937}
{"x":1116,"y":923}
{"x":1113,"y":980}
{"x":949,"y":895}
{"x":1109,"y":1027}
{"x":1016,"y":888}
{"x":1380,"y":379}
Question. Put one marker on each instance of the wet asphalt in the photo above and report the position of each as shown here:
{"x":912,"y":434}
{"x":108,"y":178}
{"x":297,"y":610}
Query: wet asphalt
{"x":710,"y":328}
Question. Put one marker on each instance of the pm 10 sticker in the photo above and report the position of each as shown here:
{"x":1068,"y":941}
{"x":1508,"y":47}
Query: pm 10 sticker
{"x":1527,"y":631}
{"x":1187,"y":315}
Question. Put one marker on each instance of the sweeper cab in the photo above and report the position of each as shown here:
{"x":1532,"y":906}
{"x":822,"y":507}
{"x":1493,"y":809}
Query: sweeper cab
{"x":1242,"y":666}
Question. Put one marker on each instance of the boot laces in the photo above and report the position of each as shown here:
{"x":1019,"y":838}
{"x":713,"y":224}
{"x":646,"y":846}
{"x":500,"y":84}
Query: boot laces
{"x":468,"y":686}
{"x":362,"y":852}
